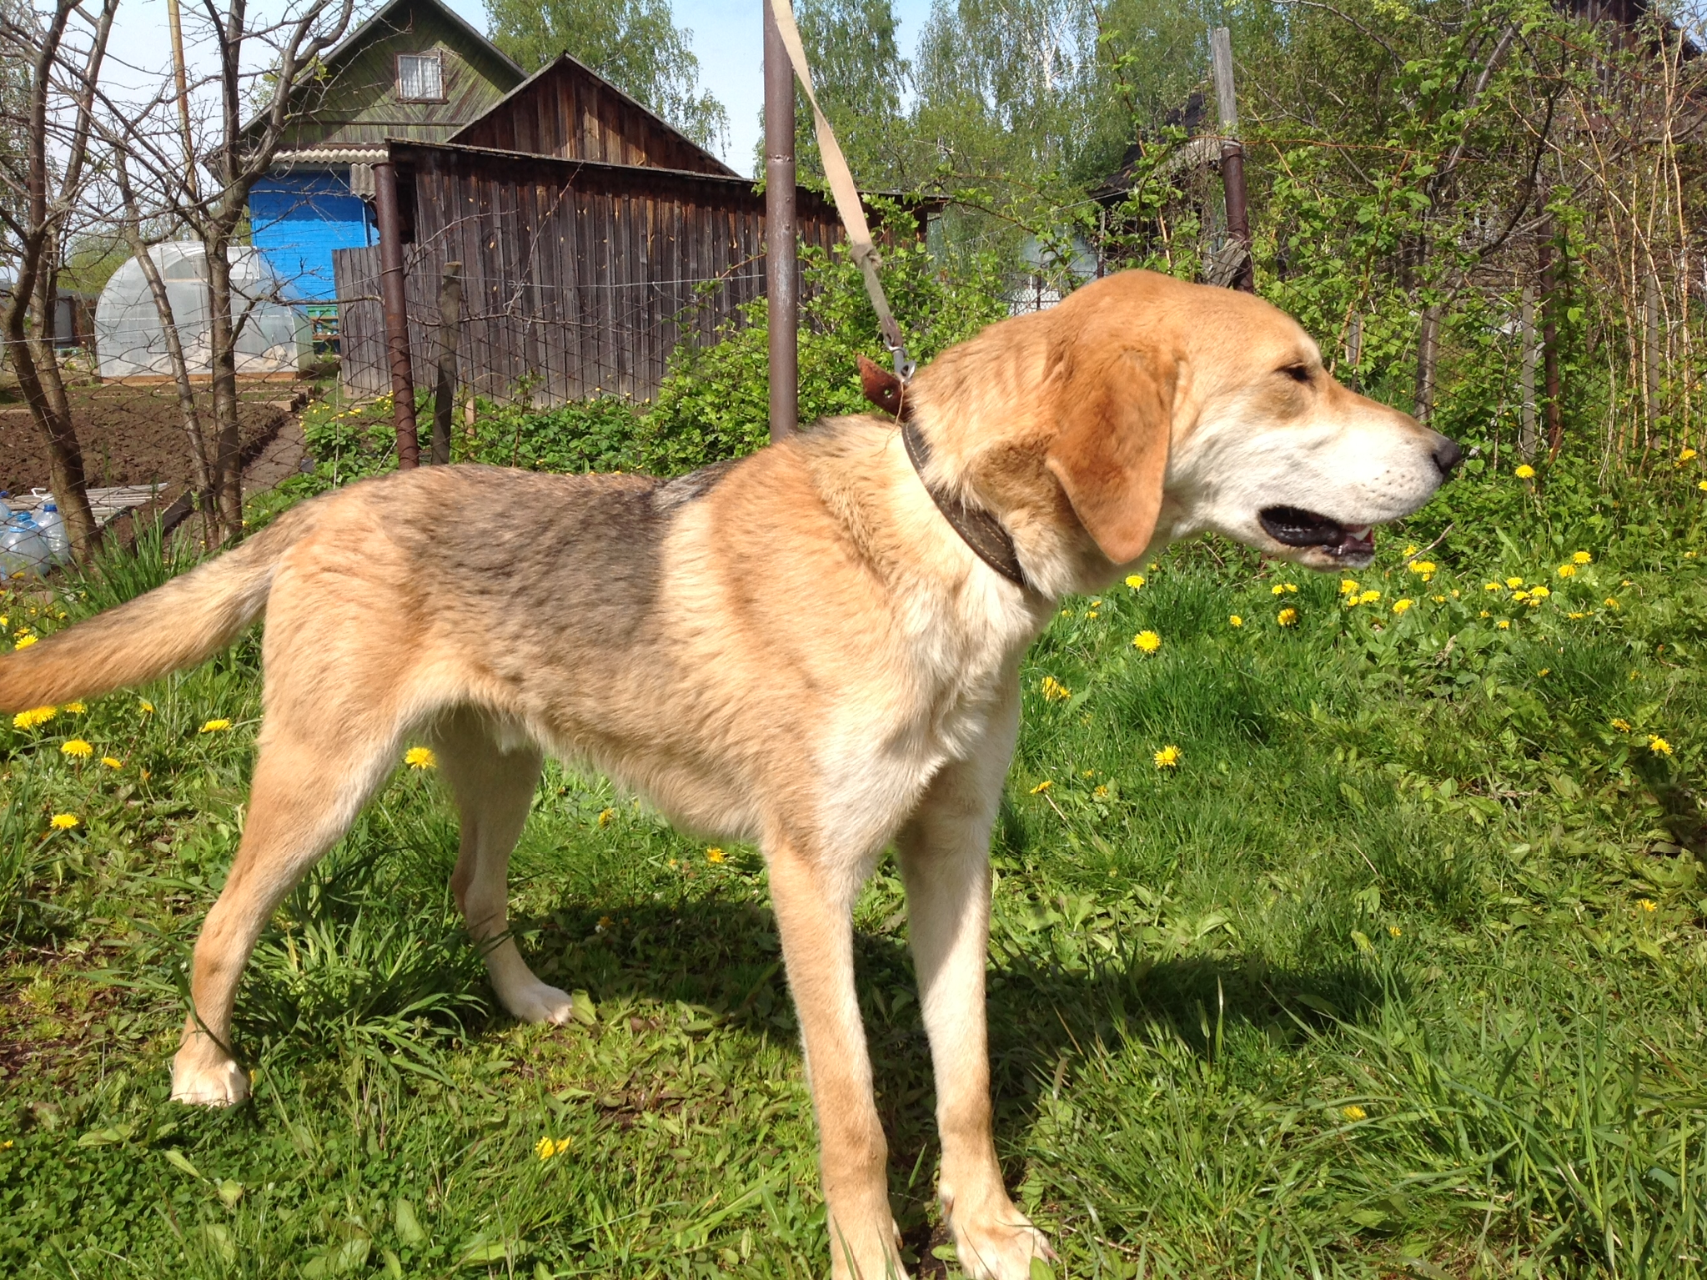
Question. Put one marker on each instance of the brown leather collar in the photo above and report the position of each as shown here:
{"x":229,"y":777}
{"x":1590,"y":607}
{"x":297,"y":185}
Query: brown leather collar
{"x":977,"y":528}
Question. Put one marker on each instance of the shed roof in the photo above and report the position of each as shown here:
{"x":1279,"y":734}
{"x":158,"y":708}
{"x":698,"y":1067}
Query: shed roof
{"x":567,"y":109}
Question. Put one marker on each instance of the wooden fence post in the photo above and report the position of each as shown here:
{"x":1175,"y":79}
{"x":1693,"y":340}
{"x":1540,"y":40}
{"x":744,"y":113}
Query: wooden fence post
{"x":396,"y":314}
{"x":782,"y":279}
{"x":1550,"y":345}
{"x":444,"y":389}
{"x":1526,"y":435}
{"x":1232,"y":155}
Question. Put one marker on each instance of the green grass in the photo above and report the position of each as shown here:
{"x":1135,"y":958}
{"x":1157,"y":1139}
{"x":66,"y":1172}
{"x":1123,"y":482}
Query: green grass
{"x":1398,"y":971}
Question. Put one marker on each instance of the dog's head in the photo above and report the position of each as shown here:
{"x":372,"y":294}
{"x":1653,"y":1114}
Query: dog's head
{"x":1179,"y":408}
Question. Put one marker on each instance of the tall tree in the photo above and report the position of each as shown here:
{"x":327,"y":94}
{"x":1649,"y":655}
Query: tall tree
{"x":860,"y":78}
{"x":635,"y":44}
{"x":42,"y":175}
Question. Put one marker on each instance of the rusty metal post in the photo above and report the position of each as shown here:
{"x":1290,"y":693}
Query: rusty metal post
{"x":396,"y":314}
{"x":782,"y":277}
{"x":1232,"y":154}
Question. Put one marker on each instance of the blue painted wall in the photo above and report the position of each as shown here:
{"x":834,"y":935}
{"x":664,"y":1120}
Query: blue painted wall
{"x":298,"y":218}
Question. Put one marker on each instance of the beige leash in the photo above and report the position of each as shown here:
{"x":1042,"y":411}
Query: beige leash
{"x":845,"y":194}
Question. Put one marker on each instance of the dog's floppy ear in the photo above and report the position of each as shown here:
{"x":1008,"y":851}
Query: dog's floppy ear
{"x":1116,"y":416}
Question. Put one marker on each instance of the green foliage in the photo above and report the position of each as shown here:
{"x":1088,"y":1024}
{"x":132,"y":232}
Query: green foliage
{"x":860,"y":77}
{"x":715,"y":402}
{"x":635,"y":44}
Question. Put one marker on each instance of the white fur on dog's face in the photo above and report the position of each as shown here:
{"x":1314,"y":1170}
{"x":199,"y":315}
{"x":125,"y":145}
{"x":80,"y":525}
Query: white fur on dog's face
{"x":1287,"y":435}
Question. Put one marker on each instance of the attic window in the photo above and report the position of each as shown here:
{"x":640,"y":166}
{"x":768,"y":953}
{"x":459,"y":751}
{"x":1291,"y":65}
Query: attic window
{"x":420,"y":77}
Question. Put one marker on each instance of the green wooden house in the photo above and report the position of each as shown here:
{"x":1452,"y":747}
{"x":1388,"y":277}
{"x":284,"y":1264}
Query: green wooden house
{"x":413,"y":71}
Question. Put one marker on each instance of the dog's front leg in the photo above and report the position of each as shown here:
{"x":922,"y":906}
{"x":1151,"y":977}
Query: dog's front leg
{"x":814,"y":913}
{"x":945,"y":862}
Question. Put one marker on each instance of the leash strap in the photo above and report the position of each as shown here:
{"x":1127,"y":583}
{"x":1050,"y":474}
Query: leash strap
{"x":844,"y":193}
{"x":977,"y":528}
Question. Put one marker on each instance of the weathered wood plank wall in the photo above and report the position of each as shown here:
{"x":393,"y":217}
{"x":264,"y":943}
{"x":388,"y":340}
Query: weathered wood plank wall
{"x":579,"y":279}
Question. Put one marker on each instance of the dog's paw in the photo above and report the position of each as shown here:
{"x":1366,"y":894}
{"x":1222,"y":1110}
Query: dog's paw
{"x":537,"y":1002}
{"x":202,"y":1083}
{"x":997,"y":1243}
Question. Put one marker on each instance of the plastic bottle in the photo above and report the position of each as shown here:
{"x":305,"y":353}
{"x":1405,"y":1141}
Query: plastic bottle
{"x":22,"y":548}
{"x":53,"y":533}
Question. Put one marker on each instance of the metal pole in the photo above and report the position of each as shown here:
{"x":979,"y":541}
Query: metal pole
{"x":396,"y":315}
{"x":444,"y":390}
{"x":782,"y":278}
{"x":1232,"y":154}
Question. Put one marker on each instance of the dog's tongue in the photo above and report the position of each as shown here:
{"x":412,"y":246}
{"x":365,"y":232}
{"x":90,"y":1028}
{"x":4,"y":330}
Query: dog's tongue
{"x":1356,"y":540}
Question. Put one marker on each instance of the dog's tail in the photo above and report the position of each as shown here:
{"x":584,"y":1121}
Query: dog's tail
{"x":174,"y":626}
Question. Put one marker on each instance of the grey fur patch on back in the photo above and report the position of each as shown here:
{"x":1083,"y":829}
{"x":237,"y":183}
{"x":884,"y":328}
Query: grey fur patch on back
{"x":695,"y":484}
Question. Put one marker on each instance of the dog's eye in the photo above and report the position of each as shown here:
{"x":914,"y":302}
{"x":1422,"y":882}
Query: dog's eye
{"x":1297,"y":372}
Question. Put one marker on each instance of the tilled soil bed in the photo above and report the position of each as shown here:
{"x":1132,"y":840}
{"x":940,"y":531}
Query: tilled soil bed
{"x":129,"y":434}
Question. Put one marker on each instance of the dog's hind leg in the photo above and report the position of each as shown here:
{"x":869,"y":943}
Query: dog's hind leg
{"x":493,"y":789}
{"x":307,"y":790}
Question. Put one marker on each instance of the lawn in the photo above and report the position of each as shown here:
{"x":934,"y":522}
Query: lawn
{"x":1390,"y":962}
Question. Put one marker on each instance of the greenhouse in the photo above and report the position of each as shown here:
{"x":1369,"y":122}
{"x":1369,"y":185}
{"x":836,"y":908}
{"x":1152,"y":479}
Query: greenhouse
{"x":130,"y":342}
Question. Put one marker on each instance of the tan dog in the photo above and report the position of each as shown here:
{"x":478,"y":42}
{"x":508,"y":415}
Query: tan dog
{"x":796,"y":649}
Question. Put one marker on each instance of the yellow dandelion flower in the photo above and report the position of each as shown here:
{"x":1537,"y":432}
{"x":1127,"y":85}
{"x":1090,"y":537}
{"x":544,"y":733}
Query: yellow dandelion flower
{"x":1504,"y":624}
{"x":1348,"y":586}
{"x":1686,"y":455}
{"x":145,"y":706}
{"x":1701,"y":485}
{"x":1277,"y":590}
{"x":1286,"y":617}
{"x":1646,"y":904}
{"x":1135,"y":580}
{"x":1543,"y":672}
{"x":546,"y":1148}
{"x":76,"y":708}
{"x":1394,"y":931}
{"x":1422,"y":566}
{"x":1167,"y":757}
{"x":1369,"y":597}
{"x":26,"y":640}
{"x":112,"y":762}
{"x":215,"y":726}
{"x":1454,"y":593}
{"x":1513,"y":583}
{"x":1041,"y":787}
{"x":714,"y":854}
{"x":1438,"y":599}
{"x":1234,"y":620}
{"x":1567,"y":571}
{"x":1520,"y":595}
{"x":1410,"y":551}
{"x":77,"y":748}
{"x":1539,"y":593}
{"x":606,"y":816}
{"x":1581,"y":557}
{"x":1101,"y":793}
{"x":1576,"y":617}
{"x":420,"y":758}
{"x":1354,"y":1112}
{"x":1486,"y":614}
{"x":1658,"y":745}
{"x":1524,"y":472}
{"x":1620,"y":724}
{"x":31,"y":718}
{"x":1054,"y":690}
{"x":1610,"y":603}
{"x":1147,"y":642}
{"x":1401,"y":606}
{"x":64,"y":821}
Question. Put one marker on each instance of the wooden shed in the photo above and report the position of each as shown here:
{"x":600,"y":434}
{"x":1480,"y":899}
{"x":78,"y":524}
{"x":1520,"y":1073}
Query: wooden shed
{"x":593,"y":238}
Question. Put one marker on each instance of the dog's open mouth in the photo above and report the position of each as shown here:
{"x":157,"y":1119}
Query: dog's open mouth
{"x":1297,"y":527}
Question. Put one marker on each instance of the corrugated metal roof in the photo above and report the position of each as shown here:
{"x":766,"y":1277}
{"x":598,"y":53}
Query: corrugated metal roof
{"x":305,"y":156}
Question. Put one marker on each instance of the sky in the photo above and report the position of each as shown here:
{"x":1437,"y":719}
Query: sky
{"x":727,"y":39}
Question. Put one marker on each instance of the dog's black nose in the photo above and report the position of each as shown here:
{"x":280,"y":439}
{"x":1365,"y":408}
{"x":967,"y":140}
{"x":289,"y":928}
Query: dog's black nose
{"x":1447,"y":456}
